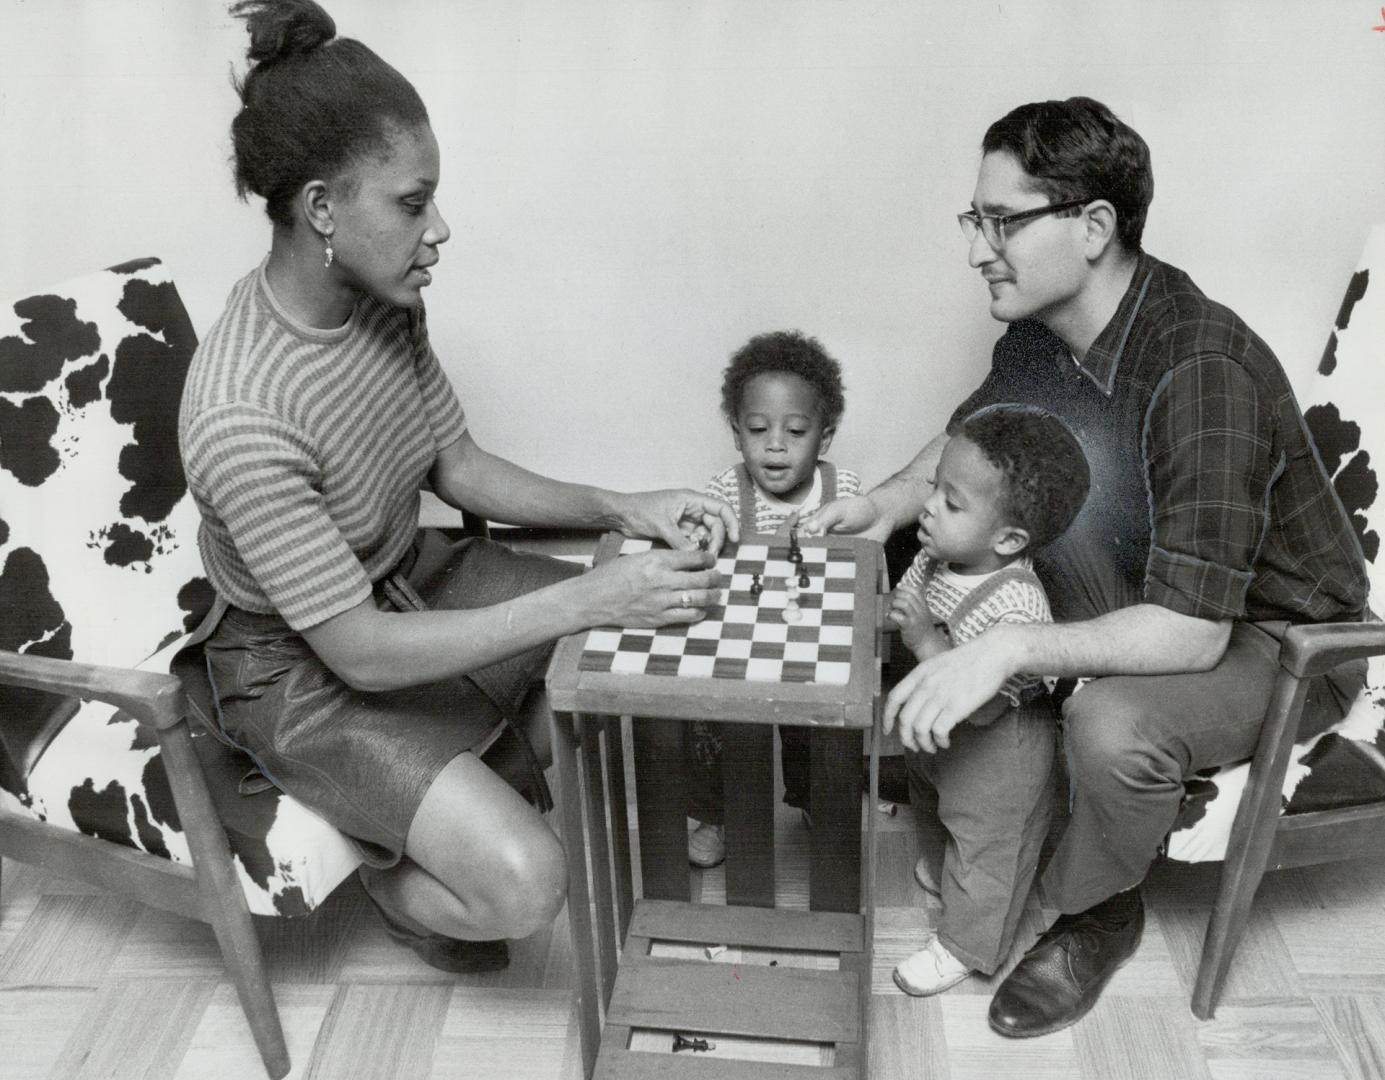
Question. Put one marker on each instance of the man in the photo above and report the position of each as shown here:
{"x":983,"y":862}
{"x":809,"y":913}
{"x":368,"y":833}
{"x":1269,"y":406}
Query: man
{"x":1210,"y":525}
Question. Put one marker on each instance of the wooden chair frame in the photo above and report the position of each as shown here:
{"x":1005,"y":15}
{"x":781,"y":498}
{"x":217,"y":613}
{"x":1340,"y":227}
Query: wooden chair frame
{"x":1261,"y":837}
{"x":209,"y":889}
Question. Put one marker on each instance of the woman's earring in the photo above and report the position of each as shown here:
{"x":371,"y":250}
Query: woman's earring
{"x":329,"y":252}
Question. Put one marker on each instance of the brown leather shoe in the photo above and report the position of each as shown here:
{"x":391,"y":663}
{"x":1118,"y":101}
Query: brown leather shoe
{"x":1060,"y":978}
{"x":455,"y":955}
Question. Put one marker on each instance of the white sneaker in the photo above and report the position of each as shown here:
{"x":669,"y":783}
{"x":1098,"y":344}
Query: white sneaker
{"x":707,"y":845}
{"x":931,"y":970}
{"x":924,"y":876}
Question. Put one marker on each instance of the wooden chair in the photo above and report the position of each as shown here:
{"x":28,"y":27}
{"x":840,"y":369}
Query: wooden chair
{"x":1263,"y":838}
{"x":207,"y":889}
{"x":1297,"y":807}
{"x":102,"y":776}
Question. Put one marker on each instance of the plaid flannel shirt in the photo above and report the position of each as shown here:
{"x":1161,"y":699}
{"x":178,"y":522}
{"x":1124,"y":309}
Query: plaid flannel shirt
{"x":1208,"y":496}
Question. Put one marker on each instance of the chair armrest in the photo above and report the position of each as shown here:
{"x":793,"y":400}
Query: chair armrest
{"x":150,"y":697}
{"x":1318,"y":648}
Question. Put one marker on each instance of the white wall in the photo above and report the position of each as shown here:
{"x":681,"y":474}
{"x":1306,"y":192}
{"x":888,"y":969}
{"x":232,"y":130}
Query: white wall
{"x":635,"y":188}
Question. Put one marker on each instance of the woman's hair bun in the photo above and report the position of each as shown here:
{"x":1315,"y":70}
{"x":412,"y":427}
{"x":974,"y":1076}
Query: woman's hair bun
{"x":281,"y":28}
{"x":308,"y":112}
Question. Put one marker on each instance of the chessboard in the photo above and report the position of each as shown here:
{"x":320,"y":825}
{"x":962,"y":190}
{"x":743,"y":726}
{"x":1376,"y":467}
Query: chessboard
{"x":745,"y":636}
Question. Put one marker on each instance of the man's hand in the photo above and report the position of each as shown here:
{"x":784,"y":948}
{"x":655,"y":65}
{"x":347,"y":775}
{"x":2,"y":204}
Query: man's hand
{"x":854,"y":514}
{"x":918,"y":628}
{"x":945,"y":689}
{"x":679,"y":518}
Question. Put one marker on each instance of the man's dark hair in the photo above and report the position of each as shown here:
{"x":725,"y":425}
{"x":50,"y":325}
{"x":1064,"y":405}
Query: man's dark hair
{"x":791,"y":353}
{"x":1044,"y":468}
{"x":312,"y":104}
{"x":1079,"y":149}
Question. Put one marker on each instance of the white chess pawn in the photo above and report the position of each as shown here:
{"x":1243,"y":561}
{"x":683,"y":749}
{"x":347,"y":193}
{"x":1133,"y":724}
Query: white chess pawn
{"x":791,"y":612}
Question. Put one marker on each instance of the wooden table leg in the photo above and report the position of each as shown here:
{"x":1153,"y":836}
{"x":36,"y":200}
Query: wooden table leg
{"x":620,"y":824}
{"x":579,"y":916}
{"x":661,"y":796}
{"x":594,"y":790}
{"x":747,"y":769}
{"x":834,"y":874}
{"x":869,"y":868}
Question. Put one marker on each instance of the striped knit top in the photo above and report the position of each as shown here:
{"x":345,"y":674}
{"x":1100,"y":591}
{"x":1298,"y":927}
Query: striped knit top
{"x":305,"y":450}
{"x":771,"y":512}
{"x":970,"y":604}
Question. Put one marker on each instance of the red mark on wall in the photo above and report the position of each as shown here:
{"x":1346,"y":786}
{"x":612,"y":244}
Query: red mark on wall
{"x":1381,"y":28}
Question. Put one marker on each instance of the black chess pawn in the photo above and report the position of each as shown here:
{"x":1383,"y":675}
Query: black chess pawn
{"x":755,"y":587}
{"x":802,"y":576}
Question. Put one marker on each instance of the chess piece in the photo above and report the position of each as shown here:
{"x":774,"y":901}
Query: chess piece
{"x":791,"y":612}
{"x":755,"y":587}
{"x":802,"y":577}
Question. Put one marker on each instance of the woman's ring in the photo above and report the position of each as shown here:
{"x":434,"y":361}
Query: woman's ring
{"x":685,"y":598}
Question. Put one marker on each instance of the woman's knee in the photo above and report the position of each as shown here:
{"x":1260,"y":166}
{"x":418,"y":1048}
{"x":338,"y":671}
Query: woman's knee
{"x":490,"y":849}
{"x":526,"y":883}
{"x":516,"y":888}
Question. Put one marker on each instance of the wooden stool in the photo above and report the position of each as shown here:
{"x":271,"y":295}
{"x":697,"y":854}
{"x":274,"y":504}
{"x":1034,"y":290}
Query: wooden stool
{"x":590,"y":692}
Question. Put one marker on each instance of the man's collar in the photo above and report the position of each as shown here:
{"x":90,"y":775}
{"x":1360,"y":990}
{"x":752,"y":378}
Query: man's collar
{"x":1104,"y":356}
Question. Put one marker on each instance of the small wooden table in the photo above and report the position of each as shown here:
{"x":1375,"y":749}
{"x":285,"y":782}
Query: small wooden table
{"x":746,"y":666}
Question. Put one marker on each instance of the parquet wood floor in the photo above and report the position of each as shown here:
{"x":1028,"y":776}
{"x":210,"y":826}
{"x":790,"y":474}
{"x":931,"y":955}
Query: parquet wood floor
{"x":94,"y":986}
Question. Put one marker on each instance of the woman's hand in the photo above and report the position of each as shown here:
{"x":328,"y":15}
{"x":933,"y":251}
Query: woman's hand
{"x":918,"y":628}
{"x":654,"y":588}
{"x":679,"y":518}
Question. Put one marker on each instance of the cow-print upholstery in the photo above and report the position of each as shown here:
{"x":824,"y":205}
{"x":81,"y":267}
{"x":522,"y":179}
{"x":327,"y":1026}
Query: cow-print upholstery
{"x":1345,"y":410}
{"x":99,"y":563}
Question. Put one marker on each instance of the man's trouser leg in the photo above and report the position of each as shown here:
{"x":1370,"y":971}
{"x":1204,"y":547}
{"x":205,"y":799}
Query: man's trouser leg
{"x":1132,"y":740}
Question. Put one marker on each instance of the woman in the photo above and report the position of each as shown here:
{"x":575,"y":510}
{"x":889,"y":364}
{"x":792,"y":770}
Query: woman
{"x":367,"y":685}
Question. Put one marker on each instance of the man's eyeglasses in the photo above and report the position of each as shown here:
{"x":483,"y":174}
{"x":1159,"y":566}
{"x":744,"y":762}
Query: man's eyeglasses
{"x":993,"y":226}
